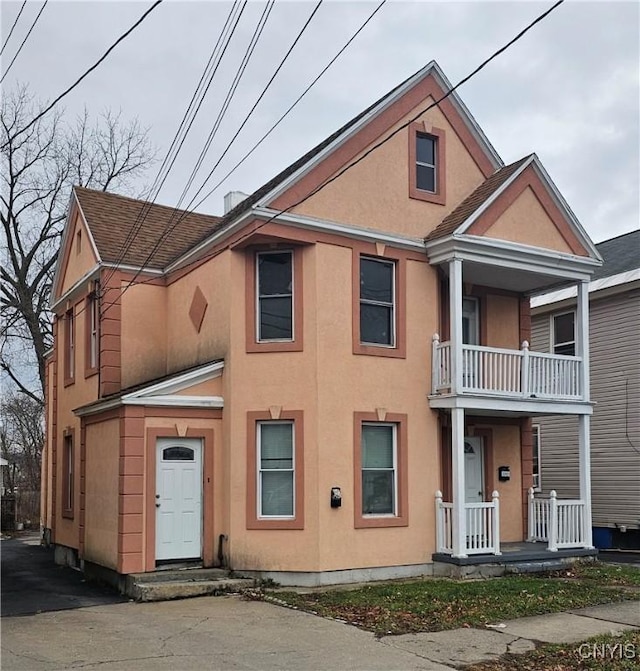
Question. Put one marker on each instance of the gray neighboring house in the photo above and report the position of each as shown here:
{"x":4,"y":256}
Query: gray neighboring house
{"x":614,"y":311}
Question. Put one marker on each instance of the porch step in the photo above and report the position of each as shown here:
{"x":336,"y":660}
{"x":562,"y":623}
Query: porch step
{"x":535,"y":566}
{"x":183,"y":584}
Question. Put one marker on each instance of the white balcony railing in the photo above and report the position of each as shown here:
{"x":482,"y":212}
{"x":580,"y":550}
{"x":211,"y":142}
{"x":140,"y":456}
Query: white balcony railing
{"x":505,"y":372}
{"x":482,"y":521}
{"x":559,"y":522}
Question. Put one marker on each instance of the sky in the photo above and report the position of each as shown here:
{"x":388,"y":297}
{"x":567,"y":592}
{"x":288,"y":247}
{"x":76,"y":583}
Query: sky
{"x":568,"y":90}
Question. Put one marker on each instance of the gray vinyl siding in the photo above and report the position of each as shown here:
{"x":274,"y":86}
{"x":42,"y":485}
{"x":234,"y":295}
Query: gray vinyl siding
{"x":615,"y":425}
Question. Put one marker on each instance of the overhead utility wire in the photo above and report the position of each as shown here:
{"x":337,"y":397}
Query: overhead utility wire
{"x":12,"y":27}
{"x":324,"y":184}
{"x":229,"y":97}
{"x":199,"y":94}
{"x":292,"y":106}
{"x":172,"y":225}
{"x":88,"y":72}
{"x":26,"y":37}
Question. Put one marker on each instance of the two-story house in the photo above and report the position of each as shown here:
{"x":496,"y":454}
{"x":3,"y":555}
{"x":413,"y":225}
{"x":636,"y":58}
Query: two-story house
{"x":614,"y":307}
{"x":331,"y":381}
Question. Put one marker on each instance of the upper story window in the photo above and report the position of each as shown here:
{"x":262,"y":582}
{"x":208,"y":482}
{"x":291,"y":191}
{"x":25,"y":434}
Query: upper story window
{"x":92,"y":320}
{"x":377,"y":302}
{"x":470,"y":321}
{"x":274,"y":276}
{"x":563,"y":334}
{"x":69,"y":347}
{"x":427,"y":163}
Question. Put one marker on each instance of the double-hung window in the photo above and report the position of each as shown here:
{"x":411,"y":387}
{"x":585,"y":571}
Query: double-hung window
{"x":276,"y":469}
{"x":68,"y":476}
{"x":274,"y":291}
{"x":564,"y":335}
{"x":377,"y":302}
{"x":426,"y":174}
{"x":69,"y":347}
{"x":379,"y":465}
{"x":92,"y":341}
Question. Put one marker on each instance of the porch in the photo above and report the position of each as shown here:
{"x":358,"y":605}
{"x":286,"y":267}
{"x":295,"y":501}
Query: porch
{"x":563,"y":524}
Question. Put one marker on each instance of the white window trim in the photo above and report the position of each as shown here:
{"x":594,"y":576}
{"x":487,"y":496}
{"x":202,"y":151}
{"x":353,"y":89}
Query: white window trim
{"x":552,"y":326}
{"x":393,"y":303}
{"x":394,"y":437}
{"x":257,"y":289}
{"x":535,"y":432}
{"x":260,"y":470}
{"x":434,"y":165}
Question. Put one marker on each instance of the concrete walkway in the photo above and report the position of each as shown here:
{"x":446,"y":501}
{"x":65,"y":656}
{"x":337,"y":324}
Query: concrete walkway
{"x":229,"y":633}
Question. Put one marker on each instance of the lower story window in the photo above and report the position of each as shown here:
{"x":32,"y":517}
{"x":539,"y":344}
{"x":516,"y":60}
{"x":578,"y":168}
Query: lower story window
{"x":276,"y":469}
{"x":536,"y":456}
{"x":67,"y":477}
{"x":379,"y":469}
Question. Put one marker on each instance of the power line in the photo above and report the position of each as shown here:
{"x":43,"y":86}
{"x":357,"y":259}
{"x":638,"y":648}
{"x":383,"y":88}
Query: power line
{"x":199,"y":94}
{"x":172,"y":225}
{"x":377,"y":145}
{"x":26,"y":37}
{"x":12,"y":27}
{"x":86,"y":74}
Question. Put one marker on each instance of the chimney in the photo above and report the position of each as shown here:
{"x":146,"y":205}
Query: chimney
{"x":232,"y":199}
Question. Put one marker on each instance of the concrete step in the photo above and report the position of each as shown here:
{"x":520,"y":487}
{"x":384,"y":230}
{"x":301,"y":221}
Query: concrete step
{"x":535,"y":566}
{"x":155,"y":590}
{"x":184,"y":574}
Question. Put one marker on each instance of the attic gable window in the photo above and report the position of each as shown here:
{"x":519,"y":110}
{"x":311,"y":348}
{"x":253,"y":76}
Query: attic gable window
{"x":427,"y":177}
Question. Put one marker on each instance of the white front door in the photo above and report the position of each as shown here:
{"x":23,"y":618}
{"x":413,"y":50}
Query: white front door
{"x":473,"y":470}
{"x":178,"y":498}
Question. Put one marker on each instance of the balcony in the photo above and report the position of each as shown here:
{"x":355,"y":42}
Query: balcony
{"x":509,"y":374}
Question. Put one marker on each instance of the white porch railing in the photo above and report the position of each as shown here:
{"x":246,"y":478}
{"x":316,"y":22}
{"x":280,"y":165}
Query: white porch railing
{"x":559,"y":522}
{"x":482,"y":526}
{"x":505,"y":372}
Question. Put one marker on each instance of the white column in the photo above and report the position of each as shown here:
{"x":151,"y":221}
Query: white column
{"x":582,"y":336}
{"x":457,"y":482}
{"x":584,"y":447}
{"x":455,"y":327}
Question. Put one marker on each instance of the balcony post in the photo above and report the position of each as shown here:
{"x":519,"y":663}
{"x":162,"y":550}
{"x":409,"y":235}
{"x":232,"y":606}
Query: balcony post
{"x":584,"y":448}
{"x":525,"y":369}
{"x":582,"y":337}
{"x":552,"y":528}
{"x":455,"y":328}
{"x":459,"y":513}
{"x":435,"y":364}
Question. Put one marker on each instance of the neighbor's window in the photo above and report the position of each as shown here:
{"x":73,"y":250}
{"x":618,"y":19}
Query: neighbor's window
{"x":69,"y":346}
{"x":426,"y":174}
{"x":274,"y":277}
{"x":276,"y":469}
{"x":379,"y":469}
{"x":67,"y":477}
{"x":535,"y":429}
{"x":377,"y":302}
{"x":564,"y":337}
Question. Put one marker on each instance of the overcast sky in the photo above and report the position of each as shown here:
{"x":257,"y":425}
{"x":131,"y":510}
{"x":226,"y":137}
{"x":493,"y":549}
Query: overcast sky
{"x":569,"y":90}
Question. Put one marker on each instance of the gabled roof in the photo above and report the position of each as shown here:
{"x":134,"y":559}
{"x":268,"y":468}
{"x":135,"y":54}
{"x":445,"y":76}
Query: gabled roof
{"x":475,"y":200}
{"x":111,"y":217}
{"x":620,"y":254}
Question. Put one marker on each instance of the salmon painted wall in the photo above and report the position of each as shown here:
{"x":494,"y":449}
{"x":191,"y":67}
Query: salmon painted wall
{"x":526,"y":222}
{"x":101,"y":499}
{"x":328,"y":383}
{"x":502,"y":321}
{"x":356,"y":197}
{"x":144,"y":333}
{"x":506,"y":452}
{"x":80,"y":259}
{"x":82,"y":391}
{"x":186,"y":346}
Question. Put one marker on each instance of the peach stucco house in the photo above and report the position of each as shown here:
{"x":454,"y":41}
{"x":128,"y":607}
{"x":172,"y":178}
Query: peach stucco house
{"x":320,"y":385}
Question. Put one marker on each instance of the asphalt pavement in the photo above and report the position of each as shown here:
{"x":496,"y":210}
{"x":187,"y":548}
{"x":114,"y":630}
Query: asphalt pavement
{"x":32,"y":583}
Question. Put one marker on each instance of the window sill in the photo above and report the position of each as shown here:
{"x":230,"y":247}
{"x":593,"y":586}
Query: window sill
{"x":377,"y":521}
{"x":275,"y":346}
{"x":274,"y":524}
{"x":68,"y":381}
{"x":379,"y":350}
{"x":67,"y":514}
{"x":90,"y":372}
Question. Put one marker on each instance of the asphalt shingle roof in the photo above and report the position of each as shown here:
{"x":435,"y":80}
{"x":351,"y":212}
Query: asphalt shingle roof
{"x":474,"y":200}
{"x":111,"y":217}
{"x":620,"y":255}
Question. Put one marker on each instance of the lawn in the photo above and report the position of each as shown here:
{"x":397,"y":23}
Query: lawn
{"x":434,"y":604}
{"x":602,"y":653}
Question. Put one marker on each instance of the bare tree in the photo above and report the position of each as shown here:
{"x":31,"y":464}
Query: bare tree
{"x":39,"y":167}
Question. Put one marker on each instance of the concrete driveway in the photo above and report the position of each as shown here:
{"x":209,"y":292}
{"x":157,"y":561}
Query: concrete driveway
{"x":51,"y":619}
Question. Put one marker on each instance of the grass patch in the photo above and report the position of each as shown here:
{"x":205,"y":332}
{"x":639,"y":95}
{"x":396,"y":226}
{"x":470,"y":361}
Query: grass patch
{"x":437,"y":604}
{"x":602,"y":653}
{"x":602,"y":574}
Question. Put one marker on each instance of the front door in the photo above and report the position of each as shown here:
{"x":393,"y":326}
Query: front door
{"x":178,"y":498}
{"x":473,"y":470}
